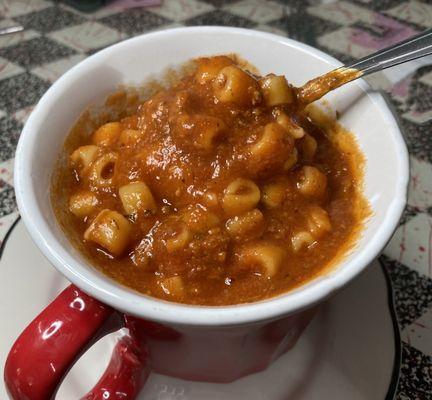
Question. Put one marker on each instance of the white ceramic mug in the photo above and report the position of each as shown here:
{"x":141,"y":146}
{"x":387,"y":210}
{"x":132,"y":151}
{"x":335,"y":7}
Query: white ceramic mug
{"x":193,"y":342}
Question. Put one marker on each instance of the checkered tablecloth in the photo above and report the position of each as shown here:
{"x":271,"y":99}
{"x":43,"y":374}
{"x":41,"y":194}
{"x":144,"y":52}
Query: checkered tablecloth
{"x":56,"y":37}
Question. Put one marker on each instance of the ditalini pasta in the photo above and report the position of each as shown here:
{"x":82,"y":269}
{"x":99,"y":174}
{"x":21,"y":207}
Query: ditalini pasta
{"x":218,"y":189}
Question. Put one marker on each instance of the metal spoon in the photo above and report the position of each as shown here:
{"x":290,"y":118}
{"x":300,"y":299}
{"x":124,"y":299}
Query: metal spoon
{"x":11,"y":29}
{"x":410,"y":49}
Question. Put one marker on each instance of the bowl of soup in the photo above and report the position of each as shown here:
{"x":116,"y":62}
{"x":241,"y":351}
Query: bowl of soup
{"x":174,"y":177}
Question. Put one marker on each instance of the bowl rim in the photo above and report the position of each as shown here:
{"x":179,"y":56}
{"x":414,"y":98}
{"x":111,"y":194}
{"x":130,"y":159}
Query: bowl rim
{"x":134,"y":303}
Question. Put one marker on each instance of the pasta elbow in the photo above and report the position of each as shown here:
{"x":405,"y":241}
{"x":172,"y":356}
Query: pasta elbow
{"x":233,"y":85}
{"x":312,"y":182}
{"x":179,"y":240}
{"x":101,"y":172}
{"x":273,"y":194}
{"x":198,"y":219}
{"x":137,"y":196}
{"x":267,"y":258}
{"x":296,"y":131}
{"x":210,"y":130}
{"x":208,"y":69}
{"x":301,"y":240}
{"x":130,"y":137}
{"x":246,"y":226}
{"x":318,"y":222}
{"x":83,"y":156}
{"x":83,"y":203}
{"x":109,"y":230}
{"x":107,"y":134}
{"x":308,"y":147}
{"x":271,"y":148}
{"x":241,"y":195}
{"x":276,"y":90}
{"x":173,"y":286}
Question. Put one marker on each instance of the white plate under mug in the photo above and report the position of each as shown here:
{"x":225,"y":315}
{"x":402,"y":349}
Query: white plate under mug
{"x":349,"y":351}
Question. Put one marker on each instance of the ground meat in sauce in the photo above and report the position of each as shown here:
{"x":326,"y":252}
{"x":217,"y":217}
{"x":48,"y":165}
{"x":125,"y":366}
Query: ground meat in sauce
{"x":248,"y":197}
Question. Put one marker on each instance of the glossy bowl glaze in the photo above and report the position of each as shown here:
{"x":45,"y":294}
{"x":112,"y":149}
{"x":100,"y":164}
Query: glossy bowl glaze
{"x":133,"y":61}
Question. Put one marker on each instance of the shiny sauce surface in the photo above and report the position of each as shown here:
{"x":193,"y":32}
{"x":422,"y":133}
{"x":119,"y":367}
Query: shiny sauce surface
{"x":216,"y":190}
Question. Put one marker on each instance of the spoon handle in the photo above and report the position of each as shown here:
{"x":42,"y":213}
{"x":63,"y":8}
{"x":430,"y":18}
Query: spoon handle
{"x":11,"y":29}
{"x":410,"y":49}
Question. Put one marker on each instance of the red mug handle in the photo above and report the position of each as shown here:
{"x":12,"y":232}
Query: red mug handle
{"x":45,"y":351}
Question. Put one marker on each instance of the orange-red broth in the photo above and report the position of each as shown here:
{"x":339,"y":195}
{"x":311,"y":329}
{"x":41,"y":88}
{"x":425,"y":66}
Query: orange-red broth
{"x":221,"y":189}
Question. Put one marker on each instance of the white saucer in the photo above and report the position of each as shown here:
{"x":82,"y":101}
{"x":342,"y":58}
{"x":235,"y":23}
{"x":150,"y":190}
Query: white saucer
{"x":348,"y":352}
